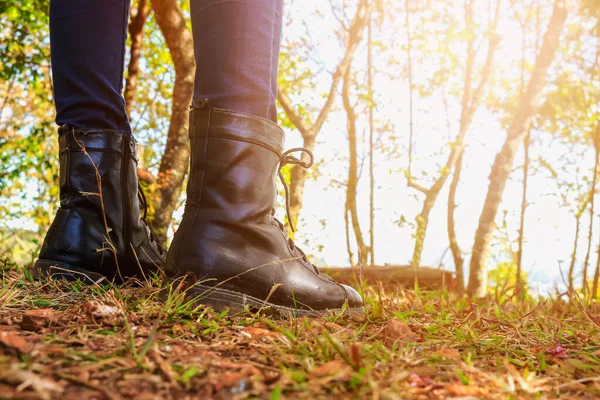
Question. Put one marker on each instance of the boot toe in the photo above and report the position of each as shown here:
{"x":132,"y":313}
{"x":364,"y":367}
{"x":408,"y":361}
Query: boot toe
{"x":354,"y":298}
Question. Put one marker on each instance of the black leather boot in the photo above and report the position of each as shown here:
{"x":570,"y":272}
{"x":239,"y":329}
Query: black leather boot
{"x":236,"y":253}
{"x":98,"y":230}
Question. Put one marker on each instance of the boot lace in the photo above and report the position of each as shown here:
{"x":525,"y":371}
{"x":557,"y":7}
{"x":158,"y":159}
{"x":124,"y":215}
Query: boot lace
{"x":288,"y":159}
{"x":144,"y":209}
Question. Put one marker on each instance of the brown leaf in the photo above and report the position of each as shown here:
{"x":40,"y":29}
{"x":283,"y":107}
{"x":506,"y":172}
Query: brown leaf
{"x":239,"y":381}
{"x":397,"y":331}
{"x":333,"y":367}
{"x":355,"y":355}
{"x":146,"y":176}
{"x":233,"y":366}
{"x":15,"y":342}
{"x":34,"y":320}
{"x":458,"y":389}
{"x":55,"y":350}
{"x":163,"y":365}
{"x":332,"y":327}
{"x":256,"y":333}
{"x":26,"y":379}
{"x":229,"y":379}
{"x":98,"y":310}
{"x":358,"y":318}
{"x":448,"y":354}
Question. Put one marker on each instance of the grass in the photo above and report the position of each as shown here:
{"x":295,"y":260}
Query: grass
{"x":153,"y":342}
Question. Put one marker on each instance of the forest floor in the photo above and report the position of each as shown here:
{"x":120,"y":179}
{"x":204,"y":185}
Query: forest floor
{"x":69,"y":341}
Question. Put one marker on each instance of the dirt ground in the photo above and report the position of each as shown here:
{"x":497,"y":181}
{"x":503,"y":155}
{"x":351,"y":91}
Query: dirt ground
{"x":69,"y":341}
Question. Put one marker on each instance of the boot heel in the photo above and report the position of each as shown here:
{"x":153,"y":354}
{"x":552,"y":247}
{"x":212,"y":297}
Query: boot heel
{"x":60,"y":270}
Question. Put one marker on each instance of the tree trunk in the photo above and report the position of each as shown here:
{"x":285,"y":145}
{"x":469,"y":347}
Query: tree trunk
{"x":522,"y":217}
{"x":411,"y":90}
{"x":422,"y":223}
{"x":136,"y":33}
{"x":591,"y":228}
{"x":351,"y":188}
{"x":594,"y":293}
{"x":347,"y":227}
{"x":297,"y":181}
{"x":504,"y":160}
{"x":310,"y":130}
{"x":596,"y":276}
{"x":470,"y":104}
{"x":451,"y":226}
{"x":578,"y":216}
{"x":519,"y":277}
{"x":574,"y":253}
{"x":371,"y":144}
{"x":174,"y":164}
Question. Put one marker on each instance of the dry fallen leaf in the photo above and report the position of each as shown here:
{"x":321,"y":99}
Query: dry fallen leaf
{"x":355,"y":355}
{"x":448,"y":354}
{"x":239,"y":380}
{"x":333,"y":367}
{"x":43,"y":387}
{"x":34,"y":320}
{"x":234,"y":366}
{"x":97,"y":310}
{"x":331,"y":327}
{"x":256,"y":333}
{"x":458,"y":389}
{"x":15,"y":342}
{"x":397,"y":331}
{"x":163,"y":365}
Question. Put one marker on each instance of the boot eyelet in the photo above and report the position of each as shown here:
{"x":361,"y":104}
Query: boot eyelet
{"x":291,"y":245}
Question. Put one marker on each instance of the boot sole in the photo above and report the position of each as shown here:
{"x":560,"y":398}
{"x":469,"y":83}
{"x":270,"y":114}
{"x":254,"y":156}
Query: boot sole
{"x":59,"y":270}
{"x":217,"y":298}
{"x":223,"y":299}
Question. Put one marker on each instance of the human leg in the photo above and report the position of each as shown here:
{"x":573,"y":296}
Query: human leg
{"x":229,"y":241}
{"x":98,"y":230}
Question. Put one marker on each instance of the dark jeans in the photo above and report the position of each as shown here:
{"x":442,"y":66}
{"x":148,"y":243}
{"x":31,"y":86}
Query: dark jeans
{"x":236,"y":45}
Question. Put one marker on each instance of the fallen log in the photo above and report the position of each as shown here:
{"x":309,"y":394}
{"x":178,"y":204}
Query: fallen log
{"x":395,"y":276}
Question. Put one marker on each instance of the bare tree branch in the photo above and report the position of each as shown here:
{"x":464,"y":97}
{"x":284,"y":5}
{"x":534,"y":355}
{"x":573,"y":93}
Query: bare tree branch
{"x":288,"y":108}
{"x":469,"y":108}
{"x":310,"y":129}
{"x":174,"y":163}
{"x":136,"y":33}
